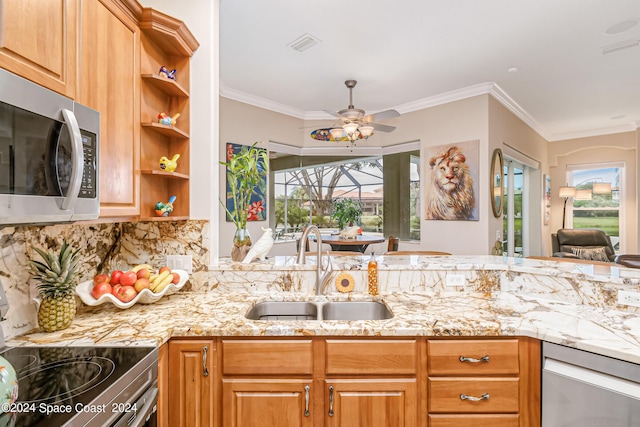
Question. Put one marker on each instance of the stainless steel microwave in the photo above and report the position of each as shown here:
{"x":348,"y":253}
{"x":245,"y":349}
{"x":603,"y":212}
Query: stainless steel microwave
{"x":49,"y":155}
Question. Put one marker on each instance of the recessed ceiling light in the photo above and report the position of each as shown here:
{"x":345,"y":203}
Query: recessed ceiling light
{"x":512,"y":69}
{"x":621,"y":27}
{"x":621,"y":116}
{"x":620,"y":46}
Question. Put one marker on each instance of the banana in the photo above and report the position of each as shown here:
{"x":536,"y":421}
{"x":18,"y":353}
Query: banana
{"x":153,"y":277}
{"x":163,"y":284}
{"x":141,"y":266}
{"x":153,"y":285}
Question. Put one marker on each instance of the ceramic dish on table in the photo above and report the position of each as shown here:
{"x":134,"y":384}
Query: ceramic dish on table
{"x":146,"y":296}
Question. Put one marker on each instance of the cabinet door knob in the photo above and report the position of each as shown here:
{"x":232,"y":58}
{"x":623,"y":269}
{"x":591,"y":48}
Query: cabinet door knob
{"x":331,"y":401}
{"x":474,"y":360}
{"x":474,"y":398}
{"x":306,"y":401}
{"x":205,"y":371}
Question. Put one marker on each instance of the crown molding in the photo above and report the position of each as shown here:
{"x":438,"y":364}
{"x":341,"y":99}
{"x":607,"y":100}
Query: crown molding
{"x":630,"y":127}
{"x":490,"y":88}
{"x":256,"y":101}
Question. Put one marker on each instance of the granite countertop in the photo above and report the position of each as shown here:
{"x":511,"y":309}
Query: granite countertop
{"x":218,"y":313}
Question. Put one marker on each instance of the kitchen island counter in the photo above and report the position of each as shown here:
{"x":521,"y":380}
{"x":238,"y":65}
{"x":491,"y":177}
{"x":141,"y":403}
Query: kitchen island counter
{"x":201,"y":314}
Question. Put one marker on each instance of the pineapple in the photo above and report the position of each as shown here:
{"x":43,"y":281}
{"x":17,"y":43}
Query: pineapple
{"x":57,"y":283}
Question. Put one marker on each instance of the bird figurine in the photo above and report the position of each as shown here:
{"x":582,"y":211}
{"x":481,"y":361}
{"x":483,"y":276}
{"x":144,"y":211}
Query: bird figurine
{"x":169,"y":165}
{"x":168,"y":74}
{"x":261,"y":248}
{"x":164,"y":119}
{"x":350,"y":233}
{"x":164,"y":209}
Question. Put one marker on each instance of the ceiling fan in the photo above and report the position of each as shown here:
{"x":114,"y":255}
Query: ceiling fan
{"x":355,"y":125}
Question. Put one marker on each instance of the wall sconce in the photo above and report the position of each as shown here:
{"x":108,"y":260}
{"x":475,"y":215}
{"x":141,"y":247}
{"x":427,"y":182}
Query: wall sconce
{"x":566,"y":192}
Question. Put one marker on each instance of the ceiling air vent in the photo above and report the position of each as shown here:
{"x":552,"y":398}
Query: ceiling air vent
{"x":620,"y":46}
{"x":304,"y":42}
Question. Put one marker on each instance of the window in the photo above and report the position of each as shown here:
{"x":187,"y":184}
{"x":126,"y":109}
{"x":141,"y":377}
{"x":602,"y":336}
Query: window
{"x":387,"y":186}
{"x":597,"y":203}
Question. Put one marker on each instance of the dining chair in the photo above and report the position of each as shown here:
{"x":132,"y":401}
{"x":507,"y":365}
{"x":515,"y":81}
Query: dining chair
{"x":393,"y":244}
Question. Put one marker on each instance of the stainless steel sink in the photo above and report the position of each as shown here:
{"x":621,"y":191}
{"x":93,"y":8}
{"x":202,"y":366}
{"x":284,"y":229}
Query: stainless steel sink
{"x":355,"y":310}
{"x":302,"y":310}
{"x":283,"y":310}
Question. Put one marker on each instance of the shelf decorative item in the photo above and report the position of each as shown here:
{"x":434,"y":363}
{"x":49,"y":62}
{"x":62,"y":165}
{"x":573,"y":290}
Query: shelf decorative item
{"x":164,"y":72}
{"x":165,"y":209}
{"x":164,"y":119}
{"x":247,"y":169}
{"x":169,"y":165}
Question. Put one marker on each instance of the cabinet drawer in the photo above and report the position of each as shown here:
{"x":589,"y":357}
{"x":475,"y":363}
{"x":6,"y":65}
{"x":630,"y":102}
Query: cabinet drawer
{"x":444,"y":395}
{"x":465,"y":357}
{"x":476,"y":420}
{"x":371,"y":357}
{"x":268,"y":357}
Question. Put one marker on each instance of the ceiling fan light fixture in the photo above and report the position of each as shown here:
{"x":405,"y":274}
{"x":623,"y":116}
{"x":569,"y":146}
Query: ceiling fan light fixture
{"x":336,"y":133}
{"x":350,"y":128}
{"x":366,"y":131}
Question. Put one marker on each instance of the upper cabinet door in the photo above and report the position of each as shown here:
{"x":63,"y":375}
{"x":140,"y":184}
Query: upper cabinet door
{"x":109,"y":83}
{"x":38,"y":41}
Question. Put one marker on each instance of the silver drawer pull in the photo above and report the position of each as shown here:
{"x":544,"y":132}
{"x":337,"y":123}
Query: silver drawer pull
{"x":205,"y":371}
{"x":473,"y":398}
{"x":331,"y":401}
{"x":306,"y":401}
{"x":474,"y":360}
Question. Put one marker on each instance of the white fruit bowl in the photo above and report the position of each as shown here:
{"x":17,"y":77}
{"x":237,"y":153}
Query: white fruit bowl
{"x":146,"y":296}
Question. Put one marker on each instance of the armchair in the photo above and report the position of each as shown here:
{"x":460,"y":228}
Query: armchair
{"x":583,"y":243}
{"x":566,"y":240}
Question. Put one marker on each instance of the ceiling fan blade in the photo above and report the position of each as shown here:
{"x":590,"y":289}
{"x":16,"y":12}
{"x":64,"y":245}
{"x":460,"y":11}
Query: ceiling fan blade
{"x":382,"y":115}
{"x":333,"y":113}
{"x":383,"y":128}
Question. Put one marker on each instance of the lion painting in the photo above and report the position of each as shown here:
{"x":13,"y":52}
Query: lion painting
{"x":451,"y":196}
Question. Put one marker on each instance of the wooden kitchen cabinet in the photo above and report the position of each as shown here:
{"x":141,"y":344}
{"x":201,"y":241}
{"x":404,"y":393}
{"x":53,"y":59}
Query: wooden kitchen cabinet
{"x":39,"y":41}
{"x":165,"y":42}
{"x":267,"y":402}
{"x":267,"y":382}
{"x":483,"y":382}
{"x":192,"y":367}
{"x":163,"y":385}
{"x":109,"y":83}
{"x":371,"y":382}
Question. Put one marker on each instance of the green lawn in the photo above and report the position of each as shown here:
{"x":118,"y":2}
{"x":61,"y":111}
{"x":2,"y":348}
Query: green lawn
{"x":608,"y":225}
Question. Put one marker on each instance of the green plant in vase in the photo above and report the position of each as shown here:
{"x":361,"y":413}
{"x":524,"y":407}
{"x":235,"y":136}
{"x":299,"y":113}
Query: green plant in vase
{"x":347,"y":212}
{"x":246,"y":170}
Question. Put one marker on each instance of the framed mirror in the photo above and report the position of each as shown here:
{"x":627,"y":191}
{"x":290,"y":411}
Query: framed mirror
{"x":497,"y":189}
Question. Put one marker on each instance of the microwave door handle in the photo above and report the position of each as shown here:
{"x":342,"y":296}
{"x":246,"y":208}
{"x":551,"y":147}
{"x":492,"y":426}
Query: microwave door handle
{"x":77,"y":159}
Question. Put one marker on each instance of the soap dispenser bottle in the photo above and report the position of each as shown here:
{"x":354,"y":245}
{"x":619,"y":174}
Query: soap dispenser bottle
{"x":373,"y":275}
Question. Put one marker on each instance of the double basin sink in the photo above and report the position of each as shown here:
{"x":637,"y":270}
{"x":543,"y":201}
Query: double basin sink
{"x":306,"y":310}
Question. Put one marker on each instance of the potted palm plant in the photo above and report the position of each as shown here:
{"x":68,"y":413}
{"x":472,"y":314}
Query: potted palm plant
{"x":246,"y":171}
{"x":347,"y":212}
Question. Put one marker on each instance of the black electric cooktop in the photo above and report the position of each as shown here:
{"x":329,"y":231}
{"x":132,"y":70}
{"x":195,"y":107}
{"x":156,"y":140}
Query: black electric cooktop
{"x":71,"y":385}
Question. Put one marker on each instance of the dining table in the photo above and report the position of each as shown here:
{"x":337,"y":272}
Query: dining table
{"x":358,"y":244}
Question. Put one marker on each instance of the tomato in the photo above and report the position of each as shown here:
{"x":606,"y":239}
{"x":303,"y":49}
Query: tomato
{"x":100,"y":278}
{"x":115,"y":277}
{"x":128,"y":278}
{"x":100,"y":289}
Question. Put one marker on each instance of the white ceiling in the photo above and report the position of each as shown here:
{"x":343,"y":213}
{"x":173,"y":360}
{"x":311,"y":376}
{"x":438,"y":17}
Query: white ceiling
{"x":408,"y":54}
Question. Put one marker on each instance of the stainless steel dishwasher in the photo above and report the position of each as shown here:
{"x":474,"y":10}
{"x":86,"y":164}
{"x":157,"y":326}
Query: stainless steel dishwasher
{"x":588,"y":390}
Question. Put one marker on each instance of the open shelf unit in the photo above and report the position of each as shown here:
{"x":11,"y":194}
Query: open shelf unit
{"x":165,"y":41}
